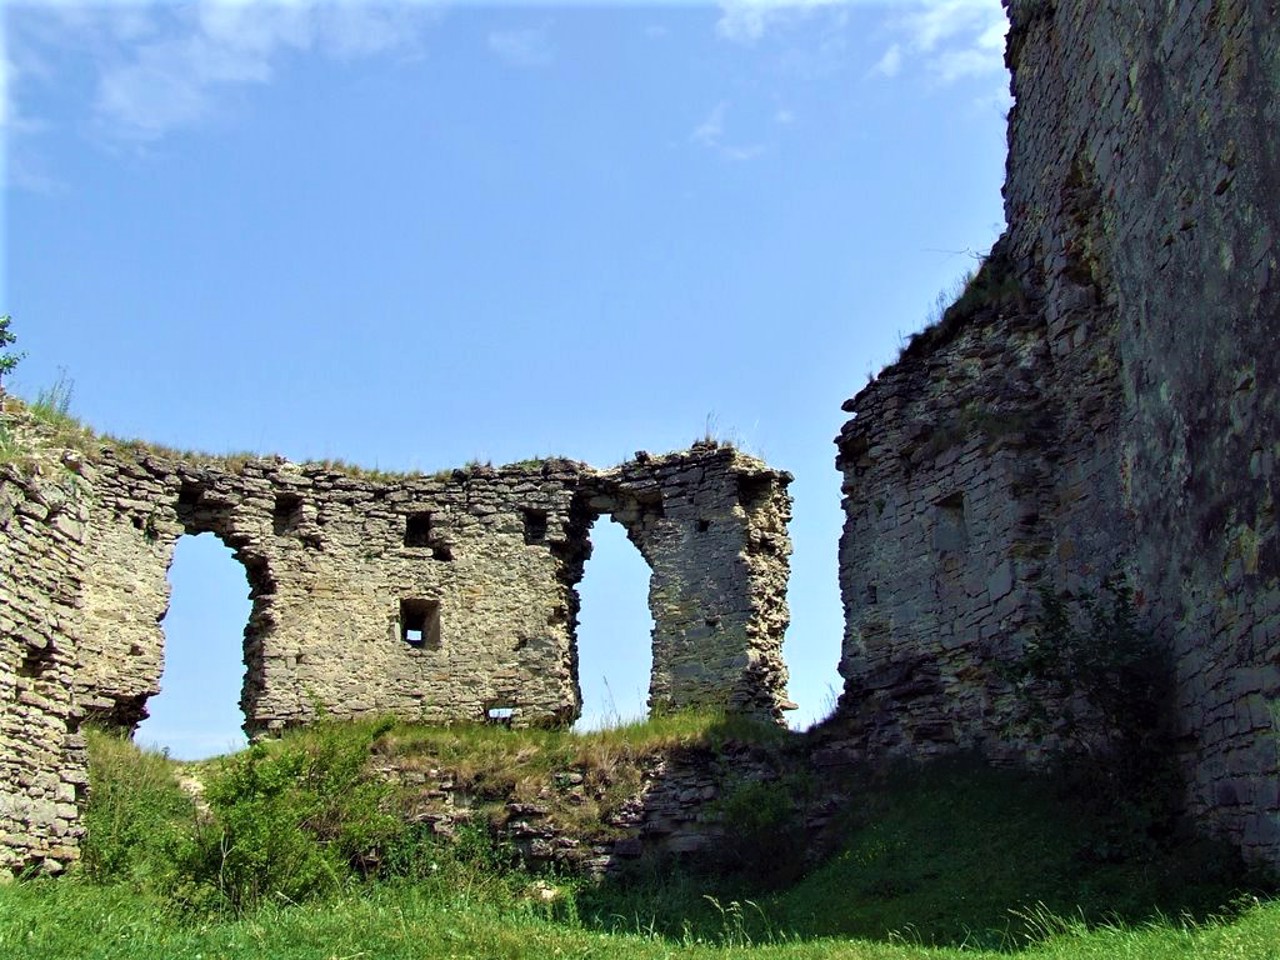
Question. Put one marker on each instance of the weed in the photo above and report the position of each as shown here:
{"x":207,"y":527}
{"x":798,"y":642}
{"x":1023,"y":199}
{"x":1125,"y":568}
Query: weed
{"x":994,"y":288}
{"x":137,"y":813}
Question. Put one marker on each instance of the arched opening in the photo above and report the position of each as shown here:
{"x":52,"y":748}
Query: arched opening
{"x":615,"y":646}
{"x":197,"y":712}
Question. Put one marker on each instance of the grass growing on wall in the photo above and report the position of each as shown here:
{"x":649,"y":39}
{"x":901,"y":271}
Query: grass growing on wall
{"x":294,"y":850}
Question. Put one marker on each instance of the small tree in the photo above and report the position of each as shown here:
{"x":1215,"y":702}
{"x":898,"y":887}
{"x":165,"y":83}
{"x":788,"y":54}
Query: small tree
{"x":8,"y":359}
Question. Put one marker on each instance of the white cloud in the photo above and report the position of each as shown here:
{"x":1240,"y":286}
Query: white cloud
{"x":522,"y":48}
{"x":951,"y":39}
{"x":746,"y":21}
{"x":709,"y":134}
{"x":710,"y":130}
{"x":162,"y":66}
{"x":7,"y":71}
{"x":890,"y":63}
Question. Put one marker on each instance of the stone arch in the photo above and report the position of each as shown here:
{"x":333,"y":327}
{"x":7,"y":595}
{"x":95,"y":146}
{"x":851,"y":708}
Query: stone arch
{"x":711,"y":524}
{"x":126,"y":590}
{"x":613,"y":639}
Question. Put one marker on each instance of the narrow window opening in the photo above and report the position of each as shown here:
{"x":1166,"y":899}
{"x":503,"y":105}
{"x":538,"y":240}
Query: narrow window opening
{"x":703,"y":526}
{"x":287,"y":514}
{"x":535,"y":525}
{"x":420,"y":623}
{"x":615,"y":631}
{"x":950,"y":532}
{"x":441,"y":551}
{"x":197,"y":712}
{"x":417,"y":530}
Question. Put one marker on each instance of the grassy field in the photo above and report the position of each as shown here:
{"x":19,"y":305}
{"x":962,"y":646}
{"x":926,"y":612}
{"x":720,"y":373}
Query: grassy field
{"x":295,"y":852}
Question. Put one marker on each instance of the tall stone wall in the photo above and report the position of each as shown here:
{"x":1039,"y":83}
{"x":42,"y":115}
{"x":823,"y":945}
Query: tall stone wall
{"x":43,"y":768}
{"x":1106,"y":402}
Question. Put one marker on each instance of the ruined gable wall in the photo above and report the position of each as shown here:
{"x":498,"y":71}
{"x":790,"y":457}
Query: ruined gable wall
{"x":1142,"y":205}
{"x":334,"y":559}
{"x":43,"y":767}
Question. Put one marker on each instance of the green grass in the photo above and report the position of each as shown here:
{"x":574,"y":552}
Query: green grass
{"x":301,"y":853}
{"x":57,"y":920}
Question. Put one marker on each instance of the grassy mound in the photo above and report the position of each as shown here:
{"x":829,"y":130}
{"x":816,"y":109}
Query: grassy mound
{"x":299,"y":848}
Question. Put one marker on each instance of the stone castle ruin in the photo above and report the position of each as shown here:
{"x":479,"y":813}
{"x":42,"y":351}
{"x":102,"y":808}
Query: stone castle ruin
{"x":434,"y":598}
{"x":1103,"y":400}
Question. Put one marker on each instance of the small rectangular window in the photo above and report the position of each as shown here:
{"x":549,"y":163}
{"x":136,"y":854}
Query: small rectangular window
{"x":286,"y":515}
{"x":420,"y":623}
{"x":417,"y":530}
{"x":535,"y":525}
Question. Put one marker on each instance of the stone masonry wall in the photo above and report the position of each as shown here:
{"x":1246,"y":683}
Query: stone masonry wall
{"x":340,"y":567}
{"x":43,"y":767}
{"x":434,"y":598}
{"x":1129,"y":323}
{"x":713,"y":527}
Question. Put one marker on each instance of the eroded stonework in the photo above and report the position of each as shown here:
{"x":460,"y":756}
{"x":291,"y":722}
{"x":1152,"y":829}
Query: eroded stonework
{"x":433,"y":598}
{"x":43,"y":767}
{"x":1110,"y":405}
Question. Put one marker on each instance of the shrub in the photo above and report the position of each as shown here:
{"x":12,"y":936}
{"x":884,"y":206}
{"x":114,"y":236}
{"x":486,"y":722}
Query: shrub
{"x":8,"y":359}
{"x":764,"y":832}
{"x":290,"y":820}
{"x":1097,"y":679}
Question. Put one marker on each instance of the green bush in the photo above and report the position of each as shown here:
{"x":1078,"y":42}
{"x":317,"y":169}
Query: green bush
{"x":1094,"y":677}
{"x":290,"y":820}
{"x":8,"y":360}
{"x":136,"y":814}
{"x":764,"y":830}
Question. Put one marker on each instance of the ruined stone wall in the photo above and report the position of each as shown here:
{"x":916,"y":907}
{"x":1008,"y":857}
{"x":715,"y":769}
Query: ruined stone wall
{"x":1134,"y":304}
{"x":43,"y":768}
{"x":1175,"y":145}
{"x":428,"y":597}
{"x":481,"y":565}
{"x":434,"y":598}
{"x":968,"y":479}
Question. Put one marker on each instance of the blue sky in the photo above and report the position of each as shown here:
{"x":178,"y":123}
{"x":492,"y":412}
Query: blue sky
{"x":411,"y":235}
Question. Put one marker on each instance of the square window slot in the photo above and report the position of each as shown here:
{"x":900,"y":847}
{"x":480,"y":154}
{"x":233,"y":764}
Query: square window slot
{"x":417,"y":530}
{"x":286,"y":515}
{"x":420,"y":623}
